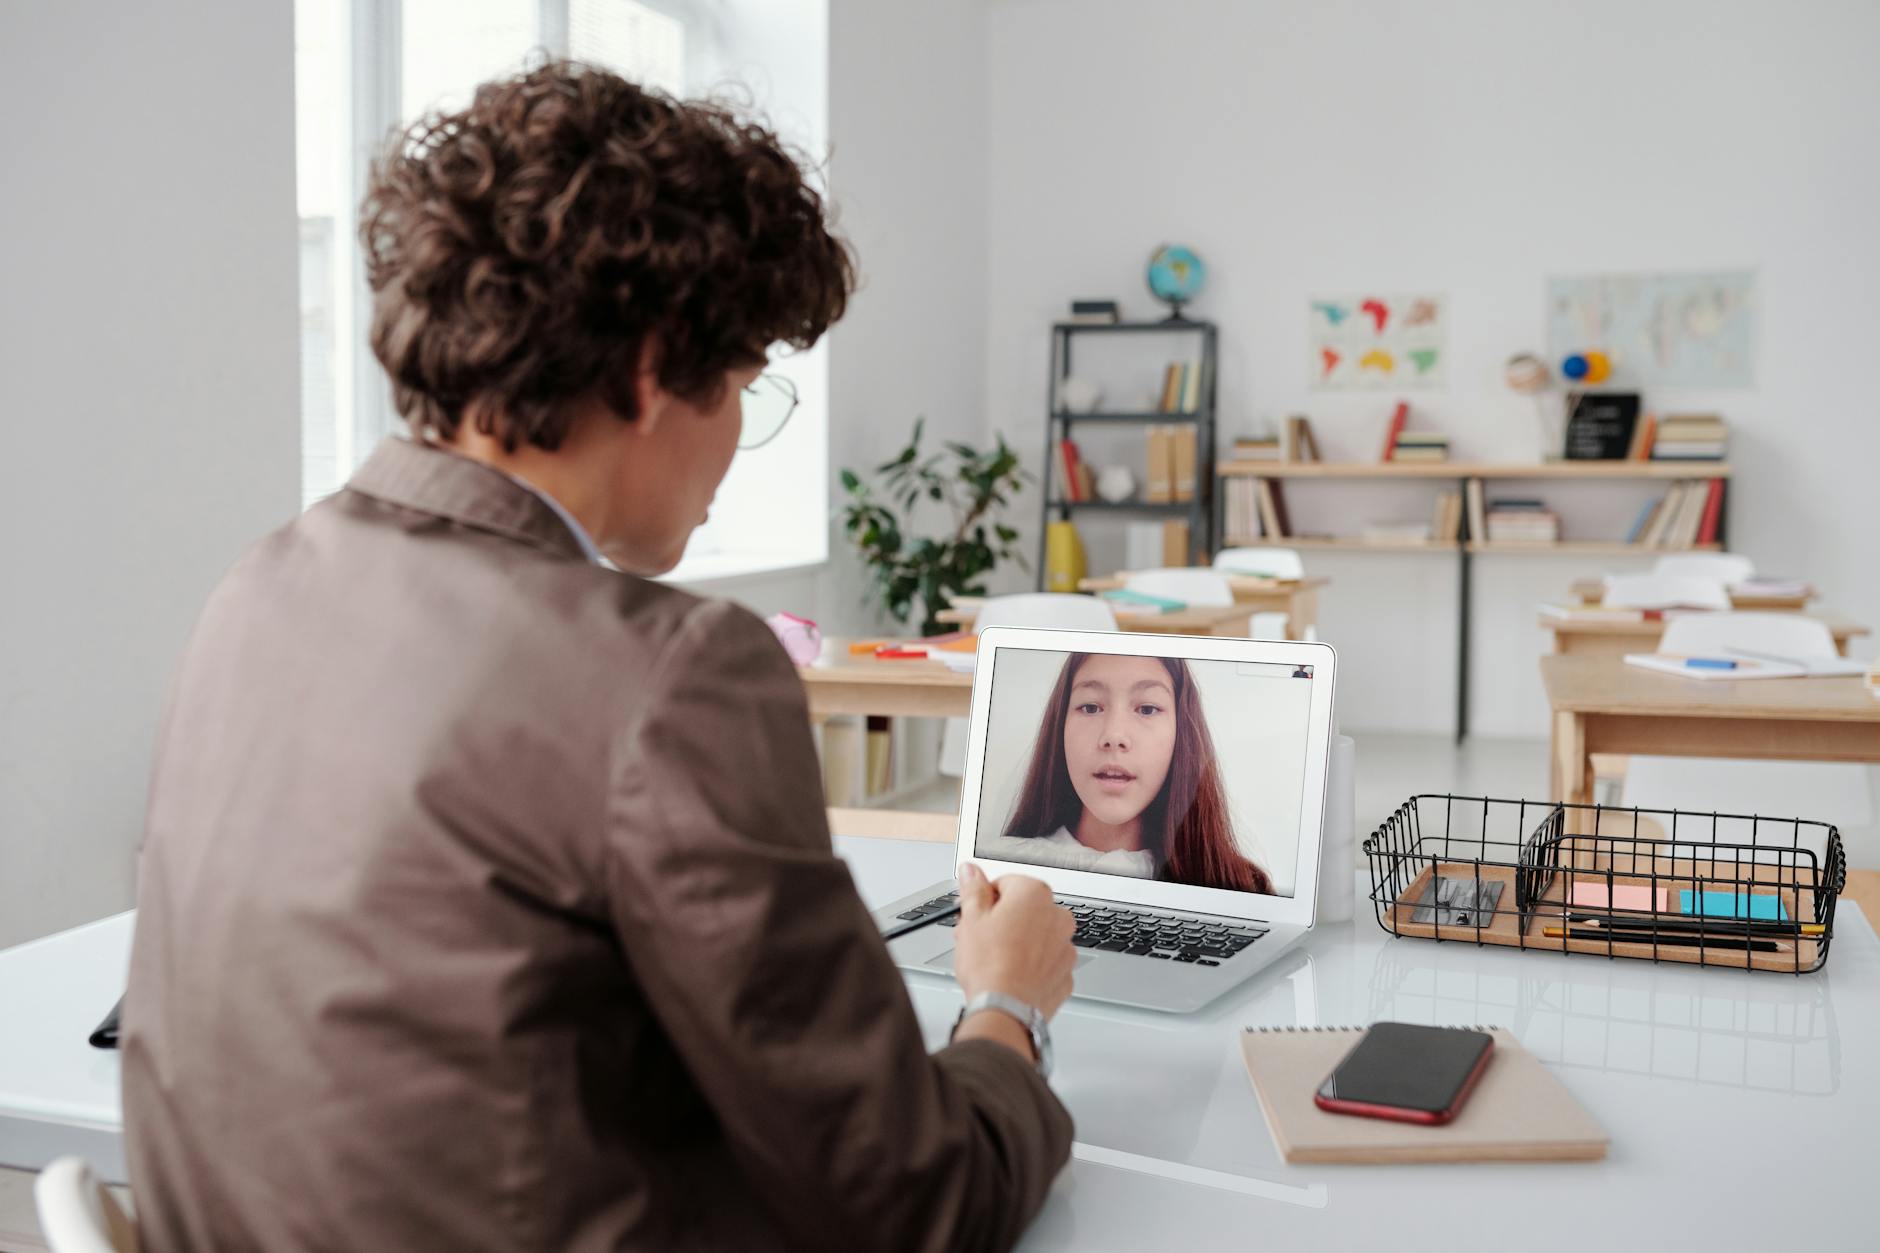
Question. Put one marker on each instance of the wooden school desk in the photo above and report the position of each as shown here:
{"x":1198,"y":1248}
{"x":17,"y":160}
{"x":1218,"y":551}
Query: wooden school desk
{"x":861,"y":685}
{"x":1231,"y":620}
{"x":1593,"y":592}
{"x":1298,"y":599}
{"x":1596,"y":638}
{"x":1602,"y":705}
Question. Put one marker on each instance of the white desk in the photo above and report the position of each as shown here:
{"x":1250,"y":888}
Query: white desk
{"x":1694,"y":1072}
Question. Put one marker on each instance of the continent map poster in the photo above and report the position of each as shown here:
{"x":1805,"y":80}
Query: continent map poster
{"x":1695,"y":329}
{"x":1377,"y":341}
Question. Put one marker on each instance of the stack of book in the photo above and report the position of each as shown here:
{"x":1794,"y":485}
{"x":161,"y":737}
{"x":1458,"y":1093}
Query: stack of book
{"x":1181,"y":388}
{"x":1521,"y":520}
{"x":1686,"y":516}
{"x":1446,"y":522}
{"x":1420,"y":446}
{"x":1409,"y":534}
{"x":1095,"y":313}
{"x":1257,"y":448}
{"x":1690,"y":437}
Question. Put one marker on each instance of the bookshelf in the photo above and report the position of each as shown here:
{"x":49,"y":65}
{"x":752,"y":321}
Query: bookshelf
{"x":1465,"y":547}
{"x":1200,"y":511}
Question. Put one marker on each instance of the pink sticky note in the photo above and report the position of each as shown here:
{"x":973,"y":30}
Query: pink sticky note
{"x":1624,"y":896}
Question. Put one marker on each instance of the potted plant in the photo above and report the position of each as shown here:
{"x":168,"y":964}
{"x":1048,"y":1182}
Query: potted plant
{"x":973,"y":486}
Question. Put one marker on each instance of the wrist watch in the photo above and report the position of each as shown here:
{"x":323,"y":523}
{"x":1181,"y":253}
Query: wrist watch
{"x":1028,"y":1016}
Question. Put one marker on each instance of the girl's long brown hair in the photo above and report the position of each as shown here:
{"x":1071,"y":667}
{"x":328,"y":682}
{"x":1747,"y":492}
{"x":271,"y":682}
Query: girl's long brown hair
{"x":1197,"y":846}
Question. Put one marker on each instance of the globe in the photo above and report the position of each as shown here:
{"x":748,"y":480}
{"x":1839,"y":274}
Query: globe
{"x":1176,"y":275}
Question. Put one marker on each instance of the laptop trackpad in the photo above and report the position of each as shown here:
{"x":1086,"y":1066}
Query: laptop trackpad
{"x":945,"y":960}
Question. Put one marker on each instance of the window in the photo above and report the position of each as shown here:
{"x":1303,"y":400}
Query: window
{"x":366,"y":66}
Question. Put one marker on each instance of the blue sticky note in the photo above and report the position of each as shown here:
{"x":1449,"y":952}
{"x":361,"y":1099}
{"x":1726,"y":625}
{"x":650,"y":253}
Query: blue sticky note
{"x":1762,"y":905}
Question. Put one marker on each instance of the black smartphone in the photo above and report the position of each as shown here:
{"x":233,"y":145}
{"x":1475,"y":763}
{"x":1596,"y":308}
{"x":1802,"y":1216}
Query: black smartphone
{"x":1408,"y":1072}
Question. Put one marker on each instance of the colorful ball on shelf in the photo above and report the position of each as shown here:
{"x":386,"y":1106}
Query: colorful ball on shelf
{"x":1526,"y":373}
{"x":1575,"y":367}
{"x":1598,"y":367}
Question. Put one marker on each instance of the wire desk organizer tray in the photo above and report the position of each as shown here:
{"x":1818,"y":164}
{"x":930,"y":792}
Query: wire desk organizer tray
{"x":1661,"y":884}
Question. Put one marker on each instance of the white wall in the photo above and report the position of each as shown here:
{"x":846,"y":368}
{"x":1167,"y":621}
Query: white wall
{"x":907,"y":121}
{"x":1472,"y":148}
{"x":148,"y":374}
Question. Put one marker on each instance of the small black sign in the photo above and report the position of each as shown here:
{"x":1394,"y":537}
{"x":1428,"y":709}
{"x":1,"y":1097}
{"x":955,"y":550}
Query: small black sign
{"x":1601,"y":426}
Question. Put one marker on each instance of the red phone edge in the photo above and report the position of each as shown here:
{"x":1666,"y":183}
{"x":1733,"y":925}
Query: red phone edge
{"x":1397,"y":1113}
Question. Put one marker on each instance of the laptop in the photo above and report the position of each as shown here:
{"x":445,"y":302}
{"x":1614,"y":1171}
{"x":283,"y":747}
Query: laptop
{"x":1169,"y":789}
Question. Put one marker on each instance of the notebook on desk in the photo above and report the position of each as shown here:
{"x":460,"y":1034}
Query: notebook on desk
{"x":1517,"y":1112}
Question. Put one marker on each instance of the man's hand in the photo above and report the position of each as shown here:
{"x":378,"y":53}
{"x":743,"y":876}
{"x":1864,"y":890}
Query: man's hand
{"x":1012,"y":938}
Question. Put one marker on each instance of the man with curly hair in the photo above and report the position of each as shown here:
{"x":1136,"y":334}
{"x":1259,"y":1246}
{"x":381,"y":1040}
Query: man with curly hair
{"x":486,"y":898}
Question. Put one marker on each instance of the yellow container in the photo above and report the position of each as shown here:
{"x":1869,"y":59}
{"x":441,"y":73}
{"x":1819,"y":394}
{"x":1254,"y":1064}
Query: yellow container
{"x":1063,"y":557}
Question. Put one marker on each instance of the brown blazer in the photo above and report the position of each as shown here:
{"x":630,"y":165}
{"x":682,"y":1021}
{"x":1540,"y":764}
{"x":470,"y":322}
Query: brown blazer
{"x":487,"y":902}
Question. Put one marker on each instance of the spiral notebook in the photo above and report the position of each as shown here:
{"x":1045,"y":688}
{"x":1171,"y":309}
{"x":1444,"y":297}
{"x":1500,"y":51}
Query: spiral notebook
{"x":1518,"y":1112}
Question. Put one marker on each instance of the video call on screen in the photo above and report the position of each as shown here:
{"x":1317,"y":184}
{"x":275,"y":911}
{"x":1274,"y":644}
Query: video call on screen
{"x":1180,"y":770}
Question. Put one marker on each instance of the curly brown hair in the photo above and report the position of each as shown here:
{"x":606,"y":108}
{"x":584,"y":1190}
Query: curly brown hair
{"x":521,"y":252}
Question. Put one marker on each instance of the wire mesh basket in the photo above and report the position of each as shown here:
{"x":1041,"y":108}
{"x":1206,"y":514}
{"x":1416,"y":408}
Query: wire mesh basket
{"x":1664,"y":884}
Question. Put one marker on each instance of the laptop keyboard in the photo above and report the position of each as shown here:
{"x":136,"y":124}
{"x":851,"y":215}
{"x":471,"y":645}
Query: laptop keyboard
{"x":1134,"y":932}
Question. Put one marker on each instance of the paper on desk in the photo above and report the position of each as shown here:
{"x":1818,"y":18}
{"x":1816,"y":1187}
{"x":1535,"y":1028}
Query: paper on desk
{"x":1746,"y":668}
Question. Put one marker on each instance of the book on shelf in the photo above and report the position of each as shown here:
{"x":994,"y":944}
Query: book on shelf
{"x":1446,"y":519}
{"x":1174,"y":542}
{"x":1873,"y":677}
{"x":1183,"y":453}
{"x":1259,"y":448}
{"x":1642,"y":438}
{"x":1070,"y":481}
{"x":1399,"y":416}
{"x":1268,"y":498}
{"x":1171,"y":388}
{"x":1191,"y":387}
{"x":1181,"y":388}
{"x":1688,"y":515}
{"x":1521,"y":520}
{"x":1408,"y":534}
{"x":1601,"y":425}
{"x":1691,"y":437}
{"x":1241,"y":511}
{"x":1095,"y":313}
{"x":1298,"y":443}
{"x":1159,"y":485}
{"x":1478,"y":510}
{"x":1142,"y":545}
{"x":1420,"y":447}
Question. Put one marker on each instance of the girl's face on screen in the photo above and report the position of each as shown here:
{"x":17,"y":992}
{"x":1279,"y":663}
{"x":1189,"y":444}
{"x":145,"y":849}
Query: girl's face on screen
{"x":1119,"y":735}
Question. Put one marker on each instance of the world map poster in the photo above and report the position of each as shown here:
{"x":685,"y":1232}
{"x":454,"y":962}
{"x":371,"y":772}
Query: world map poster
{"x":1695,"y":329}
{"x":1373,"y":341}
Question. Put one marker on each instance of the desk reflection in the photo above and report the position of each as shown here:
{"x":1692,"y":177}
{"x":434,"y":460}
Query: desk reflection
{"x":1713,"y":1027}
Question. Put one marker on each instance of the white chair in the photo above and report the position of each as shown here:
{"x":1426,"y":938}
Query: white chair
{"x":1829,"y":791}
{"x":1271,"y":563}
{"x":1728,"y":569}
{"x":1058,"y":611}
{"x":1664,"y":591}
{"x":1191,"y":585}
{"x":77,"y":1214}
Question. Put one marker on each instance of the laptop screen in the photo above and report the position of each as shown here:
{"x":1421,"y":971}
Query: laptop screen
{"x":1188,"y":771}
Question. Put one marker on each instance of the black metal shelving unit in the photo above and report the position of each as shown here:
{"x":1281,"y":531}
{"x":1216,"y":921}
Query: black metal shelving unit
{"x":1199,"y":511}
